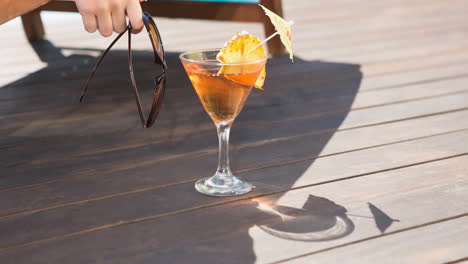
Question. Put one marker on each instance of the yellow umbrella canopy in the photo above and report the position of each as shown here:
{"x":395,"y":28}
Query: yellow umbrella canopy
{"x":283,"y":28}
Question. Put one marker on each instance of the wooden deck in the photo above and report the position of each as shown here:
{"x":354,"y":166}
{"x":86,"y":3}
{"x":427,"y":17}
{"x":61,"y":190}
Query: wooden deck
{"x":358,"y":149}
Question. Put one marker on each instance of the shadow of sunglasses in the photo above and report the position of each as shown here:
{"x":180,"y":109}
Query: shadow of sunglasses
{"x":159,"y":58}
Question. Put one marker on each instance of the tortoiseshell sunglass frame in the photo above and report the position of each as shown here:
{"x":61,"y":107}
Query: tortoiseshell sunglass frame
{"x":159,"y":58}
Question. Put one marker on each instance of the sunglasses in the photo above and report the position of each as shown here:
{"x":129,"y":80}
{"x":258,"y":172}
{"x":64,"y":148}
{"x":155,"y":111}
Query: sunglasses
{"x":159,"y":58}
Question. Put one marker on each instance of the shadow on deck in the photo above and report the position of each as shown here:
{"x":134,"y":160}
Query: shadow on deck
{"x":304,"y":97}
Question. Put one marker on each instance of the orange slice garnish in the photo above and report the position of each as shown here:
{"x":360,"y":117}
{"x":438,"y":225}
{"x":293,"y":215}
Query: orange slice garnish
{"x":237,"y":51}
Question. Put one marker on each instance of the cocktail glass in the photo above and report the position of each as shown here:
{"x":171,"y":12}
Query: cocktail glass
{"x":222,"y":89}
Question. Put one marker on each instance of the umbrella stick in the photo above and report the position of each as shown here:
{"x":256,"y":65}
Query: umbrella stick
{"x":261,"y":43}
{"x":265,"y":40}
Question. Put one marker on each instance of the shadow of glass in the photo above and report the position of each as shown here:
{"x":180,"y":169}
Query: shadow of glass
{"x":319,"y":219}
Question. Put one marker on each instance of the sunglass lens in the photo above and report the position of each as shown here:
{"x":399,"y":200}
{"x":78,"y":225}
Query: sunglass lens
{"x":155,"y":36}
{"x":157,"y":101}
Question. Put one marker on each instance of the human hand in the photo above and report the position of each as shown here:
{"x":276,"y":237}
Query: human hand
{"x":109,"y":15}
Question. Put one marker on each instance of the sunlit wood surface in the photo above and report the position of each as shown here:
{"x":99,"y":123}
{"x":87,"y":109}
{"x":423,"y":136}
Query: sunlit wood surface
{"x":358,"y":149}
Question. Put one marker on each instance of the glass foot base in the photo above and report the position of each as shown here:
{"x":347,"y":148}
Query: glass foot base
{"x":223,"y":186}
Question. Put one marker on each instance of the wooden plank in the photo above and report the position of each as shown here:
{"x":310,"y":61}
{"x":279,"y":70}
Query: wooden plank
{"x":338,"y":10}
{"x":430,"y":22}
{"x":185,"y":235}
{"x":377,"y":97}
{"x":330,"y":25}
{"x":297,"y":94}
{"x":83,"y":77}
{"x":81,"y":37}
{"x":93,"y":109}
{"x":335,"y":44}
{"x":255,"y":147}
{"x":22,"y":61}
{"x":94,"y":42}
{"x":298,"y":125}
{"x":265,"y":114}
{"x":65,"y":149}
{"x":391,"y":49}
{"x":24,"y":90}
{"x":438,"y":243}
{"x":305,"y":172}
{"x":391,"y":19}
{"x":295,"y":127}
{"x":68,"y":103}
{"x":367,"y":52}
{"x":27,"y":118}
{"x":422,"y":15}
{"x":392,"y":80}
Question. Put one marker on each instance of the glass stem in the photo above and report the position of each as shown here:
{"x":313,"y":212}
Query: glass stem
{"x":223,"y":160}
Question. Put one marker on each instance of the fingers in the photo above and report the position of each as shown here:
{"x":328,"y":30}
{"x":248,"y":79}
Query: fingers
{"x":105,"y":23}
{"x":118,"y":19}
{"x":89,"y":22}
{"x":135,"y":15}
{"x":109,"y":15}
